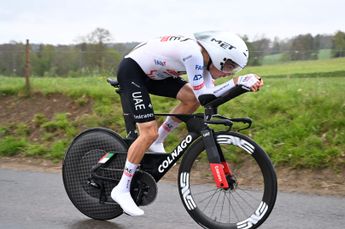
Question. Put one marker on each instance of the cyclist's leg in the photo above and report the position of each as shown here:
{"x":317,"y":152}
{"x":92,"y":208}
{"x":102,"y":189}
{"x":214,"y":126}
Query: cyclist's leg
{"x":173,"y":88}
{"x":147,"y":134}
{"x":189,"y":103}
{"x":132,"y":84}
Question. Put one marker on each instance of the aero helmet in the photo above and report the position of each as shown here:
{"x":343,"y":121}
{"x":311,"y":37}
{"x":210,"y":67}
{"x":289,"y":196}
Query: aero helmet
{"x":227,"y":51}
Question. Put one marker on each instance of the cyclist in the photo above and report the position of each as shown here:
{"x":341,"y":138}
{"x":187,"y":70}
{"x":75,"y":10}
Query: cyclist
{"x":155,"y":67}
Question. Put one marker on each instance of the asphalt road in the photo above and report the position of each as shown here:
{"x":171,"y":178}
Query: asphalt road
{"x":33,"y":200}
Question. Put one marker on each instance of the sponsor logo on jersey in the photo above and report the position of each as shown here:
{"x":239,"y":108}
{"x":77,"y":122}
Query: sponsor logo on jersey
{"x":159,"y":75}
{"x":172,"y":73}
{"x":174,"y":38}
{"x":159,"y":62}
{"x":199,"y":67}
{"x":197,"y":77}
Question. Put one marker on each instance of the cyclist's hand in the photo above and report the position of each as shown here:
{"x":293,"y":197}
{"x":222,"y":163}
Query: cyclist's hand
{"x":251,"y":82}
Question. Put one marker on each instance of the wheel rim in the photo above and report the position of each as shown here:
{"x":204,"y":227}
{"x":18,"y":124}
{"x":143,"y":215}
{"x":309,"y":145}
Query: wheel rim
{"x":245,"y":206}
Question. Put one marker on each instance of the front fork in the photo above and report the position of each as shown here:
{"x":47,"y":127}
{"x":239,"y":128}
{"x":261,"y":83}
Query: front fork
{"x":222,"y":174}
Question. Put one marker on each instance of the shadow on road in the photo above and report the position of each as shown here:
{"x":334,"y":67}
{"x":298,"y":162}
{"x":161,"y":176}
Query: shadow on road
{"x":94,"y":224}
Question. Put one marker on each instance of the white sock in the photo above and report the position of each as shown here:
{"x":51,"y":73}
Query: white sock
{"x":168,"y":125}
{"x":121,"y":193}
{"x":125,"y":183}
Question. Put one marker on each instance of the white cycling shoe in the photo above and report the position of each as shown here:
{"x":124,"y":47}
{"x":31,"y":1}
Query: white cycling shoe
{"x":124,"y":199}
{"x":157,"y":148}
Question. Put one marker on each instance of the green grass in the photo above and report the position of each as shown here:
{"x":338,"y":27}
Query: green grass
{"x":94,"y":87}
{"x":308,"y":68}
{"x":300,"y":122}
{"x":272,"y":59}
{"x":325,"y":54}
{"x":10,"y":146}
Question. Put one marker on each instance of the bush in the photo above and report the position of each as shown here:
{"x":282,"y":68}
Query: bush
{"x":35,"y":150}
{"x":22,"y":130}
{"x":59,"y":121}
{"x":10,"y":146}
{"x":39,"y":119}
{"x":57,"y":150}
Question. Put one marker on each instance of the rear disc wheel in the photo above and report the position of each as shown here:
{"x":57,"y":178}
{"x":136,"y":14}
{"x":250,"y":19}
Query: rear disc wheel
{"x":83,"y":153}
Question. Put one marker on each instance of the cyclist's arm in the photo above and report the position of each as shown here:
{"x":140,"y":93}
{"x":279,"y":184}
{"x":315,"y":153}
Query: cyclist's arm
{"x":212,"y":92}
{"x":218,"y":90}
{"x":209,"y":81}
{"x":195,"y":72}
{"x":201,"y":80}
{"x":249,"y":82}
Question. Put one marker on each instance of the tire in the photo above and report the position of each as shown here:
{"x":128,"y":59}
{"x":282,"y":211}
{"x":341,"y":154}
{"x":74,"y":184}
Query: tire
{"x":246,"y":206}
{"x":83,"y":153}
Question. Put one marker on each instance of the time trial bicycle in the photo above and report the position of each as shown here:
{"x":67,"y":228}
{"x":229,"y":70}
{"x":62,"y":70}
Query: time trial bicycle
{"x":225,"y":179}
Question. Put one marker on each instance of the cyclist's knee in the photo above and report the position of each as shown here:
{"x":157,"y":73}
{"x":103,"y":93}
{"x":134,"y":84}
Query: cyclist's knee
{"x":194,"y":102}
{"x":148,"y":131}
{"x":191,"y":102}
{"x":150,"y":135}
{"x":187,"y":97}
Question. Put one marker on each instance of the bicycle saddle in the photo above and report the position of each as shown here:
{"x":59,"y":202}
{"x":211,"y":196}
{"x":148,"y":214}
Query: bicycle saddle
{"x":113,"y":82}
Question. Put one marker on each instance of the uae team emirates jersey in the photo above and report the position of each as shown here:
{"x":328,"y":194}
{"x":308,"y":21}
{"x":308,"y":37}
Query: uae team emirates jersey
{"x":173,"y":56}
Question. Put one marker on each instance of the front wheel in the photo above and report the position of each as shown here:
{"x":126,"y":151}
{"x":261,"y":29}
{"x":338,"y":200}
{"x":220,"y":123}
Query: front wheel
{"x":250,"y":200}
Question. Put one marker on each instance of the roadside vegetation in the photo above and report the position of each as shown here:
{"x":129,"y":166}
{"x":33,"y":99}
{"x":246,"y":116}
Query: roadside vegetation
{"x":299,"y":116}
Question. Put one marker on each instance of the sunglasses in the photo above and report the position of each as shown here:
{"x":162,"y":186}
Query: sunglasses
{"x":230,"y":67}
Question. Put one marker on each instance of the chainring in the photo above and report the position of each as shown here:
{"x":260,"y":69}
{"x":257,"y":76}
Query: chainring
{"x":143,"y":188}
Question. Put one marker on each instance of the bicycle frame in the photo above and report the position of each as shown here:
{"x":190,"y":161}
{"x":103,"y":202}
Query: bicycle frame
{"x":197,"y":124}
{"x":158,"y":164}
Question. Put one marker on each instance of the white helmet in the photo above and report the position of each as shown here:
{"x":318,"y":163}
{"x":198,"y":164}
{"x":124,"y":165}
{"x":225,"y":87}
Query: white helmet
{"x":227,"y":51}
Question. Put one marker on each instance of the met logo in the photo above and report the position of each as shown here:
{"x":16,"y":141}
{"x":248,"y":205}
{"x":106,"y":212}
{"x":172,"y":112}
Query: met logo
{"x":223,"y":44}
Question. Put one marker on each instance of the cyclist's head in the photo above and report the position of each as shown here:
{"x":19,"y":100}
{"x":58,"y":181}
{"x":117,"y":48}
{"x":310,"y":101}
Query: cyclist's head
{"x":227,"y":51}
